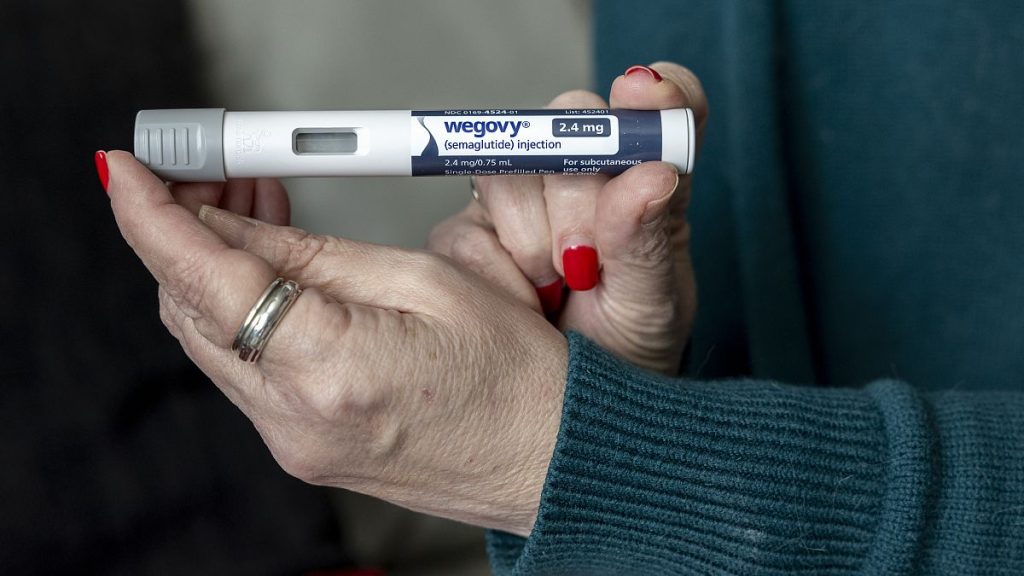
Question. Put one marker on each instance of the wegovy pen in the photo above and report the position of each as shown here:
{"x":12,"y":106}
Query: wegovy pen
{"x":212,"y":144}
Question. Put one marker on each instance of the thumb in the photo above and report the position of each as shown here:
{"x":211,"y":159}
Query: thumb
{"x":637,"y":218}
{"x":648,"y":295}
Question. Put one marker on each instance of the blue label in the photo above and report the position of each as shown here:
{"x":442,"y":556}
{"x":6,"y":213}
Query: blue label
{"x":491,"y":142}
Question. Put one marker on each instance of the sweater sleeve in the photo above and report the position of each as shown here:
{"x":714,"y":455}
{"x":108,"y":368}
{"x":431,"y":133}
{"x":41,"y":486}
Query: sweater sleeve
{"x":652,"y":475}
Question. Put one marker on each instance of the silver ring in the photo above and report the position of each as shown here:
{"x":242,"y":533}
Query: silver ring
{"x":263,"y":318}
{"x":472,"y":188}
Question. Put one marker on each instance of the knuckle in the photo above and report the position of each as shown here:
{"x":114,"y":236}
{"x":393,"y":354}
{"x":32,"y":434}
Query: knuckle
{"x":326,"y":403}
{"x":524,"y":229}
{"x":436,"y":238}
{"x":335,"y":406}
{"x":440,"y":237}
{"x":428,"y":270}
{"x":328,"y":333}
{"x":298,"y":446}
{"x":303,"y":251}
{"x":656,"y":247}
{"x":170,"y":314}
{"x":297,"y":461}
{"x":530,"y":255}
{"x":188,"y":282}
{"x":170,"y":321}
{"x":473,"y":246}
{"x":166,"y":313}
{"x":315,"y":342}
{"x":522,"y":242}
{"x":482,"y":184}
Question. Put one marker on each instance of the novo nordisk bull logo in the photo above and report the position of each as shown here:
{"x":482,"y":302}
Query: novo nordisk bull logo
{"x":481,"y":128}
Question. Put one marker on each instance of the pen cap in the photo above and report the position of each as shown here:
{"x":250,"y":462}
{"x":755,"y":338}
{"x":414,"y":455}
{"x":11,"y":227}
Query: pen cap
{"x":183,"y":145}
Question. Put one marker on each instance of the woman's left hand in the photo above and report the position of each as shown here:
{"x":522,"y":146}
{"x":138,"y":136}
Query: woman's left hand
{"x":396,"y":373}
{"x":622,"y":244}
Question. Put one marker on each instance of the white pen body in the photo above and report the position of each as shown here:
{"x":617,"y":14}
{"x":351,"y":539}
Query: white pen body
{"x":214,"y":144}
{"x":367,"y":143}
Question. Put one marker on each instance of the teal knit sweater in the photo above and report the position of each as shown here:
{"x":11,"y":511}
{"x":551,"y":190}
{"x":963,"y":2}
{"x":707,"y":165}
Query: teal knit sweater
{"x":855,"y":398}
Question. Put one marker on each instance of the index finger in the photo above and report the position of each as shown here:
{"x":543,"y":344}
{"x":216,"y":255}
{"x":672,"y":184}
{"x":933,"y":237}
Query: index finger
{"x":677,"y":87}
{"x":211,"y":283}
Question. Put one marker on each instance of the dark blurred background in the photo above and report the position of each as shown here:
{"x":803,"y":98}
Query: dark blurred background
{"x":119,"y":456}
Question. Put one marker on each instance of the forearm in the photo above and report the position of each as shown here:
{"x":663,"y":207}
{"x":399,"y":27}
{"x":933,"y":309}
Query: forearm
{"x":668,"y":476}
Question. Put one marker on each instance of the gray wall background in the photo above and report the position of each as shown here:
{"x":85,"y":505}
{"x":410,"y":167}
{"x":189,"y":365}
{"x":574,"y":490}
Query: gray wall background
{"x":389,"y":54}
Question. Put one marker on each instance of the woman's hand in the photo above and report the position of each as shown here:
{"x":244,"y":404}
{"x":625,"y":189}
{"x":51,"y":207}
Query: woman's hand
{"x":396,"y":373}
{"x":528,"y":232}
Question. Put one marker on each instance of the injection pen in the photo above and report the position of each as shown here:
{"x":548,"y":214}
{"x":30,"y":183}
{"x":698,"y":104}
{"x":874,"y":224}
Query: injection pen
{"x":211,"y":144}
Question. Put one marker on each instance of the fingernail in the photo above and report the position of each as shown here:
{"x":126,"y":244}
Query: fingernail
{"x":234,"y":229}
{"x":101,"y":168}
{"x":656,"y":208}
{"x":551,"y":296}
{"x":581,"y":267}
{"x":650,"y":71}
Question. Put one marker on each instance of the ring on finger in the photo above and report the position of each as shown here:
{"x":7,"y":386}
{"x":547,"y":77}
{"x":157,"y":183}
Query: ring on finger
{"x":263,"y":318}
{"x":472,"y":188}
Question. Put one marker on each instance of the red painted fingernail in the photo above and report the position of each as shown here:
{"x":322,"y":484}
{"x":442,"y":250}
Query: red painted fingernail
{"x":551,"y":296}
{"x":580,"y":266}
{"x":653,"y":73}
{"x":101,"y":168}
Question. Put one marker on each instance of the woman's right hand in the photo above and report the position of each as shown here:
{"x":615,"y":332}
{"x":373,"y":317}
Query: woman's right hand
{"x":621,"y":244}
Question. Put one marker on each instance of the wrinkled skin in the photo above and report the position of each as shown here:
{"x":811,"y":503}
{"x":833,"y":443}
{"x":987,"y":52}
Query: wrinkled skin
{"x":427,"y":380}
{"x":643,"y":308}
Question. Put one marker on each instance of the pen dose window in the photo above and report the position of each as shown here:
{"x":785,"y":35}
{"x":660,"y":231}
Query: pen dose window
{"x":324,"y":141}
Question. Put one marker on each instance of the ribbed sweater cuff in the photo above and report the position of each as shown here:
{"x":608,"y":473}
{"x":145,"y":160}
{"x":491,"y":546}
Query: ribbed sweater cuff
{"x":652,"y":475}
